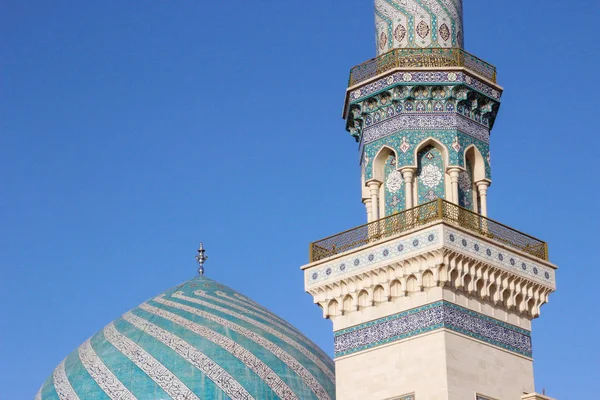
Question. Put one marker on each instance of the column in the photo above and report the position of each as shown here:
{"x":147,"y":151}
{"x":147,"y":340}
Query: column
{"x":367,"y":203}
{"x":408,"y":175}
{"x":374,"y":190}
{"x":482,"y":187}
{"x":454,"y":172}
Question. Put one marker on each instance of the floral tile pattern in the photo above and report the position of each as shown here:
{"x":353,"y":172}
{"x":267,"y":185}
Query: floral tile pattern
{"x":431,"y":317}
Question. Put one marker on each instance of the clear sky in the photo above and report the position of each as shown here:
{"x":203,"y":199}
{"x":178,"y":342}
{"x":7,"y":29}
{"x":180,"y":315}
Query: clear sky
{"x":130,"y":131}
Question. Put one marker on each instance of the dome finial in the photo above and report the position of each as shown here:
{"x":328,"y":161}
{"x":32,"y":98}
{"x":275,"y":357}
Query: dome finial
{"x":201,"y":258}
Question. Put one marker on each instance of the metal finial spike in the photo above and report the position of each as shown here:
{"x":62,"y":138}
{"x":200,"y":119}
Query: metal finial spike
{"x":201,"y":258}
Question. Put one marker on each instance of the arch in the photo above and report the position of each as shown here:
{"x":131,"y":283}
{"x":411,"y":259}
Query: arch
{"x":396,"y":288}
{"x":379,"y":161}
{"x":432,"y":180}
{"x":411,"y":284}
{"x":473,"y":154}
{"x":379,"y":294}
{"x":363,"y":298}
{"x":332,"y":308}
{"x":428,"y":281}
{"x":347,"y":304}
{"x":431,"y":141}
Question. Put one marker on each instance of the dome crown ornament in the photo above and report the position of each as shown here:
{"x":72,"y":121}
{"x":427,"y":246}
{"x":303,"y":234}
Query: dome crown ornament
{"x":201,"y":258}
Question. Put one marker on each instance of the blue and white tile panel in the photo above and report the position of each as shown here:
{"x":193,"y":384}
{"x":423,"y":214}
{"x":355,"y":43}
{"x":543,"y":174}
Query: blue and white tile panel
{"x":498,"y":256}
{"x":373,"y":257}
{"x":419,"y":122}
{"x":427,"y":240}
{"x":423,"y":77}
{"x":429,"y":318}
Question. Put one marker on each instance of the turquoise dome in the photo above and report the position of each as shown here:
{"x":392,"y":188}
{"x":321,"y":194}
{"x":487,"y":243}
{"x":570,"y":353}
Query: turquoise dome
{"x":201,"y":340}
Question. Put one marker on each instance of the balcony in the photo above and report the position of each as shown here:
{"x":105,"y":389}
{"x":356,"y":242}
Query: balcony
{"x":425,"y":214}
{"x":421,"y":58}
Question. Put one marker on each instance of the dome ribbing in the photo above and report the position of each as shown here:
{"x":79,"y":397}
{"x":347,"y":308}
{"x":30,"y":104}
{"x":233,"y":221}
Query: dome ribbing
{"x":201,"y":340}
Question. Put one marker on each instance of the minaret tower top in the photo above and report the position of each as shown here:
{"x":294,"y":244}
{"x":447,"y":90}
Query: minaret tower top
{"x":418,"y":24}
{"x":431,"y":299}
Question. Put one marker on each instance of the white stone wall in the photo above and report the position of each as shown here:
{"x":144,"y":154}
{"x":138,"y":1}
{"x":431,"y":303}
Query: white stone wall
{"x":438,"y":366}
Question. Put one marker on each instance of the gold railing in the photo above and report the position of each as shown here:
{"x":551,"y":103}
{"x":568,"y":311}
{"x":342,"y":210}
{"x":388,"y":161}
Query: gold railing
{"x":421,"y":58}
{"x":437,"y":210}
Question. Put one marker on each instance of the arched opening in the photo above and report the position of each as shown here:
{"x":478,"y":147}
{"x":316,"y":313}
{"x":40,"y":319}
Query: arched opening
{"x":468,"y":193}
{"x":431,"y":161}
{"x":396,"y":288}
{"x":332,"y":308}
{"x":411,"y":284}
{"x":347,"y":303}
{"x":363,"y":299}
{"x":391,"y":192}
{"x":428,"y":279}
{"x":379,"y":294}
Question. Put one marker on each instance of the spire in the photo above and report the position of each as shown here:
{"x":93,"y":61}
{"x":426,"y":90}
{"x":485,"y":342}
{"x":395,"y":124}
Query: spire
{"x":201,"y":258}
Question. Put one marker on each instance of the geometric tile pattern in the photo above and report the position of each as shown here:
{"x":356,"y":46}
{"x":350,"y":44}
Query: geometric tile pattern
{"x":350,"y":265}
{"x":183,"y":345}
{"x":423,"y":77}
{"x":428,"y":318}
{"x":427,"y":240}
{"x":424,"y":122}
{"x":404,"y":144}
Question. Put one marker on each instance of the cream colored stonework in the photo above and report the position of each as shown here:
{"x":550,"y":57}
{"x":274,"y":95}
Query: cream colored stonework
{"x":438,"y":366}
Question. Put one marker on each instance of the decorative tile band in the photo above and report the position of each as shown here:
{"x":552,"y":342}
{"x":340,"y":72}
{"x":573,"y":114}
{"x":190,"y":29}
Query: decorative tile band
{"x":245,"y":356}
{"x":265,"y":327}
{"x":424,"y":78}
{"x":423,"y":241}
{"x":350,"y":265}
{"x":193,"y":356}
{"x":271,"y":321}
{"x":147,"y":363}
{"x":291,"y":362}
{"x":62,"y":385}
{"x":498,"y":256}
{"x":431,"y":317}
{"x":103,"y":376}
{"x":403,"y":122}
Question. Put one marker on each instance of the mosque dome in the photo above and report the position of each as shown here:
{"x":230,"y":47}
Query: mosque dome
{"x":200,"y":340}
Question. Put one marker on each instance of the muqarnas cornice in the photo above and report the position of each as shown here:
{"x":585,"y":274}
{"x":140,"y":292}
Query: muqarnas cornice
{"x":441,"y":256}
{"x":424,"y":95}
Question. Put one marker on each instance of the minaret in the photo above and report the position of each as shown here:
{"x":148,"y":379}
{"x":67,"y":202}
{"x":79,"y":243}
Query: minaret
{"x":431,"y":299}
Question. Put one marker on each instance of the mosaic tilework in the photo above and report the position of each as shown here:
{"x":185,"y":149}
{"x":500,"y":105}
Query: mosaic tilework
{"x":418,"y":23}
{"x":175,"y":346}
{"x":465,"y":187}
{"x":424,"y":122}
{"x":430,"y":175}
{"x":404,"y":144}
{"x":251,"y":361}
{"x":498,"y":256}
{"x":394,"y":188}
{"x":423,"y":78}
{"x":431,"y":317}
{"x":350,"y":265}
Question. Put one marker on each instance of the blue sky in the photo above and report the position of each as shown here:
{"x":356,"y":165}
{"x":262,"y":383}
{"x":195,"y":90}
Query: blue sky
{"x":130,"y":132}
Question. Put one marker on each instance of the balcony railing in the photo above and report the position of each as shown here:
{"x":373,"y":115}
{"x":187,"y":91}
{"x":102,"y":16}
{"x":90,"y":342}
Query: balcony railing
{"x":437,"y":210}
{"x":421,"y":58}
